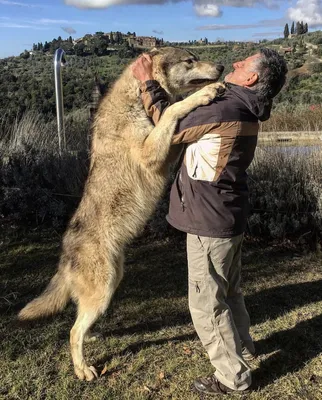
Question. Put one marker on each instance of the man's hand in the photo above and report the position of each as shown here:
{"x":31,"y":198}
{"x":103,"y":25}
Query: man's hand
{"x":142,"y":68}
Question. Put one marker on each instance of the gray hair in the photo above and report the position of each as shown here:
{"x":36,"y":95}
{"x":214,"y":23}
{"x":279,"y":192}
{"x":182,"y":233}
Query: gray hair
{"x":272,"y":69}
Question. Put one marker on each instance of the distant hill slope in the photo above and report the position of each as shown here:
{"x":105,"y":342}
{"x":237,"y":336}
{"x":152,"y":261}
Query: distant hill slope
{"x":27,"y":81}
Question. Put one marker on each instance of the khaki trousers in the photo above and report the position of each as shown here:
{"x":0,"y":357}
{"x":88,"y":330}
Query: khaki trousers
{"x":217,"y":305}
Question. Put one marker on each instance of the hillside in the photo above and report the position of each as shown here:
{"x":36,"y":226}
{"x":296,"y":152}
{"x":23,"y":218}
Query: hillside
{"x":28,"y":80}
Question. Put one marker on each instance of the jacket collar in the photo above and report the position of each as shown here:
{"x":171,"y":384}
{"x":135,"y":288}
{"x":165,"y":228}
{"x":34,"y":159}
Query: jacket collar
{"x":256,"y":103}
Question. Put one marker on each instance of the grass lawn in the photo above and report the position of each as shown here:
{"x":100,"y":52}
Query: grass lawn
{"x":150,"y":349}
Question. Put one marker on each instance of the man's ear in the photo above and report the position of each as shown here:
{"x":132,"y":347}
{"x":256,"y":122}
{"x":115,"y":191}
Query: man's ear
{"x":252,"y":79}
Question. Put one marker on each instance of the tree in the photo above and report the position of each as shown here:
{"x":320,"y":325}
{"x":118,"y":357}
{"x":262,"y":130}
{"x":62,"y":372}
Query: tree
{"x":79,"y":49}
{"x":46,"y":47}
{"x":292,"y":28}
{"x":286,"y":31}
{"x":25,"y":54}
{"x":298,"y":29}
{"x":306,"y":28}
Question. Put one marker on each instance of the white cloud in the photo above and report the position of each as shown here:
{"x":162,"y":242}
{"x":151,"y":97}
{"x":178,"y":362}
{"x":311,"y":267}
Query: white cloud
{"x":309,"y":11}
{"x":207,"y":10}
{"x":48,"y":21}
{"x":109,"y":3}
{"x":14,"y":25}
{"x":39,"y":24}
{"x":68,"y":29}
{"x":18,"y":4}
{"x":158,"y":32}
{"x":267,"y":23}
{"x":266,"y":34}
{"x":202,"y":7}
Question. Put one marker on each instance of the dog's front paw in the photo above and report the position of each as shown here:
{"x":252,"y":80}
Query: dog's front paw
{"x":205,"y":95}
{"x":213,"y":90}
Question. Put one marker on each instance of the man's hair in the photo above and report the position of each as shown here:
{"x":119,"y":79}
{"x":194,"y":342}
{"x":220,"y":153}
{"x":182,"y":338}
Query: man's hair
{"x":272,"y":69}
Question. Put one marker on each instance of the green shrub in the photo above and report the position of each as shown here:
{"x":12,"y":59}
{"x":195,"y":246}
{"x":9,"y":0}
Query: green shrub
{"x":316,"y":67}
{"x":39,"y":187}
{"x":286,"y":193}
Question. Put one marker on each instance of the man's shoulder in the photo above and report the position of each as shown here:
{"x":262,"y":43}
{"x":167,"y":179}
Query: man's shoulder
{"x":225,"y":108}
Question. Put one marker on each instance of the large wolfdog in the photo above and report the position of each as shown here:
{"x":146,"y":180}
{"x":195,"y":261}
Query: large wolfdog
{"x":127,"y":175}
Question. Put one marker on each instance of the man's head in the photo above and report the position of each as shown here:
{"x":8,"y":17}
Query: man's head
{"x":264,"y":72}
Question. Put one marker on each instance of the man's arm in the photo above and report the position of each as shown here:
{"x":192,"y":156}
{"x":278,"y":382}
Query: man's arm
{"x":154,"y":97}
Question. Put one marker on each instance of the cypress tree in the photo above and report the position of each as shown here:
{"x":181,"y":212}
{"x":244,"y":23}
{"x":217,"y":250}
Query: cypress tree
{"x":292,"y":28}
{"x":286,"y":31}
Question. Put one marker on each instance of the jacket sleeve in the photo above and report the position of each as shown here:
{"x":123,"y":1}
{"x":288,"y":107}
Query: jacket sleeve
{"x":155,"y":101}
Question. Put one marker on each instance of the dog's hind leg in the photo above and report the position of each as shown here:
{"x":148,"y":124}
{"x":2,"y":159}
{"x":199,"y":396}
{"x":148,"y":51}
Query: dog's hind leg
{"x":93,"y":336}
{"x":86,"y":317}
{"x":91,"y":305}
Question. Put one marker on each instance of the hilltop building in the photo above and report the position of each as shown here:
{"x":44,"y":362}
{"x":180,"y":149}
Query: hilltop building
{"x":143,"y":41}
{"x":132,"y":39}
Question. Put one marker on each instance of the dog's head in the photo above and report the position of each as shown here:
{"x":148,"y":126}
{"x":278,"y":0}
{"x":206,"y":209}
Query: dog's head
{"x":179,"y":71}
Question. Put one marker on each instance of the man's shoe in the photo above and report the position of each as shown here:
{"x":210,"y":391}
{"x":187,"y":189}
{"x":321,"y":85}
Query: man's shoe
{"x":211,"y":385}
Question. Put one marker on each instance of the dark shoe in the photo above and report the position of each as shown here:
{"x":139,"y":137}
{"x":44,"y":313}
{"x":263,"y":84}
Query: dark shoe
{"x":211,"y":385}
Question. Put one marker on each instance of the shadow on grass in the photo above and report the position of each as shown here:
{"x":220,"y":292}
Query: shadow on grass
{"x":295,"y":347}
{"x":160,"y":272}
{"x":274,"y":302}
{"x":135,"y":348}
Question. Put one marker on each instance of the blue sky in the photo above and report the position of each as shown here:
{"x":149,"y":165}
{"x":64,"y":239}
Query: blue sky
{"x":24,"y":22}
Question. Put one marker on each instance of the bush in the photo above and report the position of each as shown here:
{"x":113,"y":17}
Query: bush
{"x":316,"y":67}
{"x":39,"y":187}
{"x":286,"y":193}
{"x":294,"y":117}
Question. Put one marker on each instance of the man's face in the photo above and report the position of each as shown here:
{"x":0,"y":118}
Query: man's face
{"x":243,"y":73}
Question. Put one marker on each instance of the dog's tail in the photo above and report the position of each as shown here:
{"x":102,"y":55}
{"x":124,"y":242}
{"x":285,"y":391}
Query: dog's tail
{"x":51,"y":301}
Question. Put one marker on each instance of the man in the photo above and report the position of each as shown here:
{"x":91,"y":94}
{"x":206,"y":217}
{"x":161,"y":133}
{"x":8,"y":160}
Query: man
{"x":209,"y":201}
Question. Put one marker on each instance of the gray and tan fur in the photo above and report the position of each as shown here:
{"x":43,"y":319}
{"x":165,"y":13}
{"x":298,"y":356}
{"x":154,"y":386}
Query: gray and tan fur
{"x":127,"y":176}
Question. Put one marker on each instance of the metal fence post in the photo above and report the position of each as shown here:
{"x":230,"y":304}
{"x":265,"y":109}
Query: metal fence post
{"x":60,"y":61}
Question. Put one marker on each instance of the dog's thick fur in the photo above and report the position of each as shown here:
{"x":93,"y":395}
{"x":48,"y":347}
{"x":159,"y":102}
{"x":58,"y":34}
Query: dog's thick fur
{"x":127,"y":175}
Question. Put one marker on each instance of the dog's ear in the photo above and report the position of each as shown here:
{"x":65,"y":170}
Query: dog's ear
{"x":154,"y":52}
